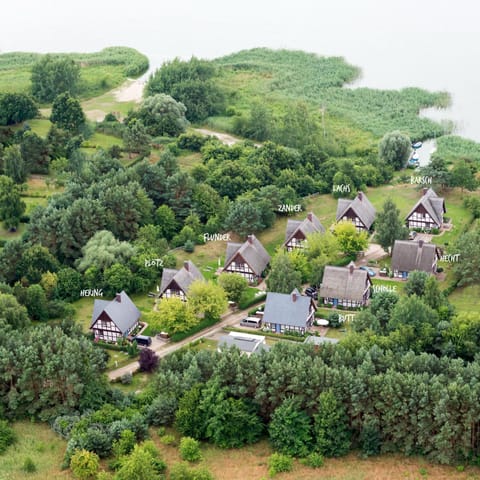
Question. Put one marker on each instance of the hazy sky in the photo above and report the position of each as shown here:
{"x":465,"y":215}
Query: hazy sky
{"x":434,"y":44}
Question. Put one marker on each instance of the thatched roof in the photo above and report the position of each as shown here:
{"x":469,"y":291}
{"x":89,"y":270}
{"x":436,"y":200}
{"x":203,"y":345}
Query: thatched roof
{"x":183,"y":277}
{"x":409,"y":255}
{"x":362,"y":207}
{"x":433,"y":204}
{"x":344,"y":282}
{"x":252,"y":251}
{"x":311,"y":224}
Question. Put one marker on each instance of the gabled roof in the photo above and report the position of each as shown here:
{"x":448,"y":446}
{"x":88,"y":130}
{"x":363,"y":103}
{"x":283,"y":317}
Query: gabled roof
{"x":362,"y":207}
{"x":409,"y":255}
{"x":290,"y":309}
{"x":183,"y":277}
{"x":311,"y":224}
{"x":121,"y":310}
{"x":252,"y":251}
{"x":433,"y":204}
{"x":344,"y":282}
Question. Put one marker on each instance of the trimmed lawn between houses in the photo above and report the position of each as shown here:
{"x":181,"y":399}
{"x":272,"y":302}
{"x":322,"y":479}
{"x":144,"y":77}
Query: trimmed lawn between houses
{"x":466,"y":299}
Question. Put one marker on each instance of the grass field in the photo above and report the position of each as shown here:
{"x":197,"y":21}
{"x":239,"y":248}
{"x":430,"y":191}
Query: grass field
{"x":251,"y":463}
{"x":99,"y":71}
{"x":38,"y":442}
{"x":466,"y":299}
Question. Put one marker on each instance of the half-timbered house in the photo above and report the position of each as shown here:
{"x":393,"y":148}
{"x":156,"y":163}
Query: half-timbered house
{"x":112,"y":320}
{"x":427,"y":212}
{"x":408,"y":256}
{"x":288,"y":312}
{"x":298,"y":230}
{"x":175,"y":283}
{"x":248,"y":259}
{"x":359,"y":211}
{"x":345,"y":286}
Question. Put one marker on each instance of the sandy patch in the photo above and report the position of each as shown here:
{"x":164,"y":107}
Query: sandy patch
{"x":95,"y":115}
{"x":223,"y":137}
{"x":130,"y":91}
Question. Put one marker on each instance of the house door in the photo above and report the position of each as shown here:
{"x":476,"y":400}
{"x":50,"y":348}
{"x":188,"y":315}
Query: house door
{"x":404,"y":275}
{"x":335,"y":302}
{"x":277,"y":328}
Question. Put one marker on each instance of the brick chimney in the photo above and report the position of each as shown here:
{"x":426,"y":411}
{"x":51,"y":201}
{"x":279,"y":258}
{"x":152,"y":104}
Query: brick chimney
{"x":186,"y":265}
{"x":351,"y":267}
{"x":420,"y":243}
{"x":310,"y":217}
{"x":360,"y":196}
{"x":250,"y":239}
{"x":424,"y":191}
{"x":118,"y":298}
{"x":294,"y":297}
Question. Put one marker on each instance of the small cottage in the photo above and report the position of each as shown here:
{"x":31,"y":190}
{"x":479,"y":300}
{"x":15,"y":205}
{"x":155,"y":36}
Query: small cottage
{"x":345,"y":286}
{"x":359,"y":211}
{"x":175,"y":283}
{"x":288,"y":312}
{"x":112,"y":320}
{"x":297,"y":231}
{"x":248,"y":259}
{"x":245,"y":342}
{"x":427,"y":212}
{"x":408,"y":256}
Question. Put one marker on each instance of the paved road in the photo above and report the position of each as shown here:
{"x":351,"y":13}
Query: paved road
{"x":164,"y":349}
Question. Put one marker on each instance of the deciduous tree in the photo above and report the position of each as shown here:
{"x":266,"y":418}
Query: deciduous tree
{"x":394,"y":149}
{"x":11,"y":205}
{"x":389,"y":226}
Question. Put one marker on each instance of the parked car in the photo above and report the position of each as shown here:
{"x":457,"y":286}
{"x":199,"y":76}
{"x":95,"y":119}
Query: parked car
{"x":311,"y":292}
{"x":412,"y":235}
{"x":368,"y":270}
{"x":383,"y":272}
{"x":142,"y":340}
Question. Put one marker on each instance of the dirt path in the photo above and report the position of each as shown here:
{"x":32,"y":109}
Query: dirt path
{"x":130,"y":91}
{"x":163,"y":349}
{"x":225,"y":138}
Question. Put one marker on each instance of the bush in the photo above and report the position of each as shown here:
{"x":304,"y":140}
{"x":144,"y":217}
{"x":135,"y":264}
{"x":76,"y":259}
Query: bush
{"x":314,"y":460}
{"x":334,"y":320}
{"x":84,"y":464}
{"x":278,"y":462}
{"x":126,"y":378}
{"x":190,"y":449}
{"x":168,"y":439}
{"x":162,"y":410}
{"x":7,"y":436}
{"x":29,"y":466}
{"x":161,"y":431}
{"x":189,"y":246}
{"x":181,"y":471}
{"x":148,"y":360}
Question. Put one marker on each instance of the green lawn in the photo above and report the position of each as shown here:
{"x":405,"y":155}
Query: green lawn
{"x":187,"y":160}
{"x":117,"y":359}
{"x":38,"y":442}
{"x":466,"y":299}
{"x":139,"y":381}
{"x":40,"y":126}
{"x":6,"y":235}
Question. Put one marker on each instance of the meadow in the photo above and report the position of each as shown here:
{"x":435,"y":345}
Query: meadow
{"x":100,"y":71}
{"x":281,"y":76}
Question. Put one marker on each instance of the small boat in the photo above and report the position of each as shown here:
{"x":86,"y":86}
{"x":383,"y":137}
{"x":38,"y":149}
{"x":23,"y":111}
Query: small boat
{"x":417,"y":145}
{"x":414,"y":160}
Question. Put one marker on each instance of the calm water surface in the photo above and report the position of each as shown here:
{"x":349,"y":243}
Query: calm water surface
{"x":434,"y":44}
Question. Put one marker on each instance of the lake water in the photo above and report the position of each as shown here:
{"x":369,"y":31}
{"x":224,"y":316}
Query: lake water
{"x":434,"y":44}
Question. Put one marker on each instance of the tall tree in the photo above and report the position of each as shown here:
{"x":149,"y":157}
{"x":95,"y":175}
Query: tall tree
{"x":16,"y":107}
{"x":12,"y":206}
{"x":136,"y":138}
{"x":332,"y":437}
{"x":467,"y":268}
{"x":14,"y":165}
{"x":207,"y":299}
{"x":163,"y":115}
{"x":54,"y":75}
{"x":389,"y":226}
{"x":67,"y":113}
{"x":290,"y":429}
{"x":351,"y":242}
{"x":283,"y":277}
{"x":463,"y":176}
{"x":234,"y":285}
{"x":394,"y":149}
{"x":244,"y":217}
